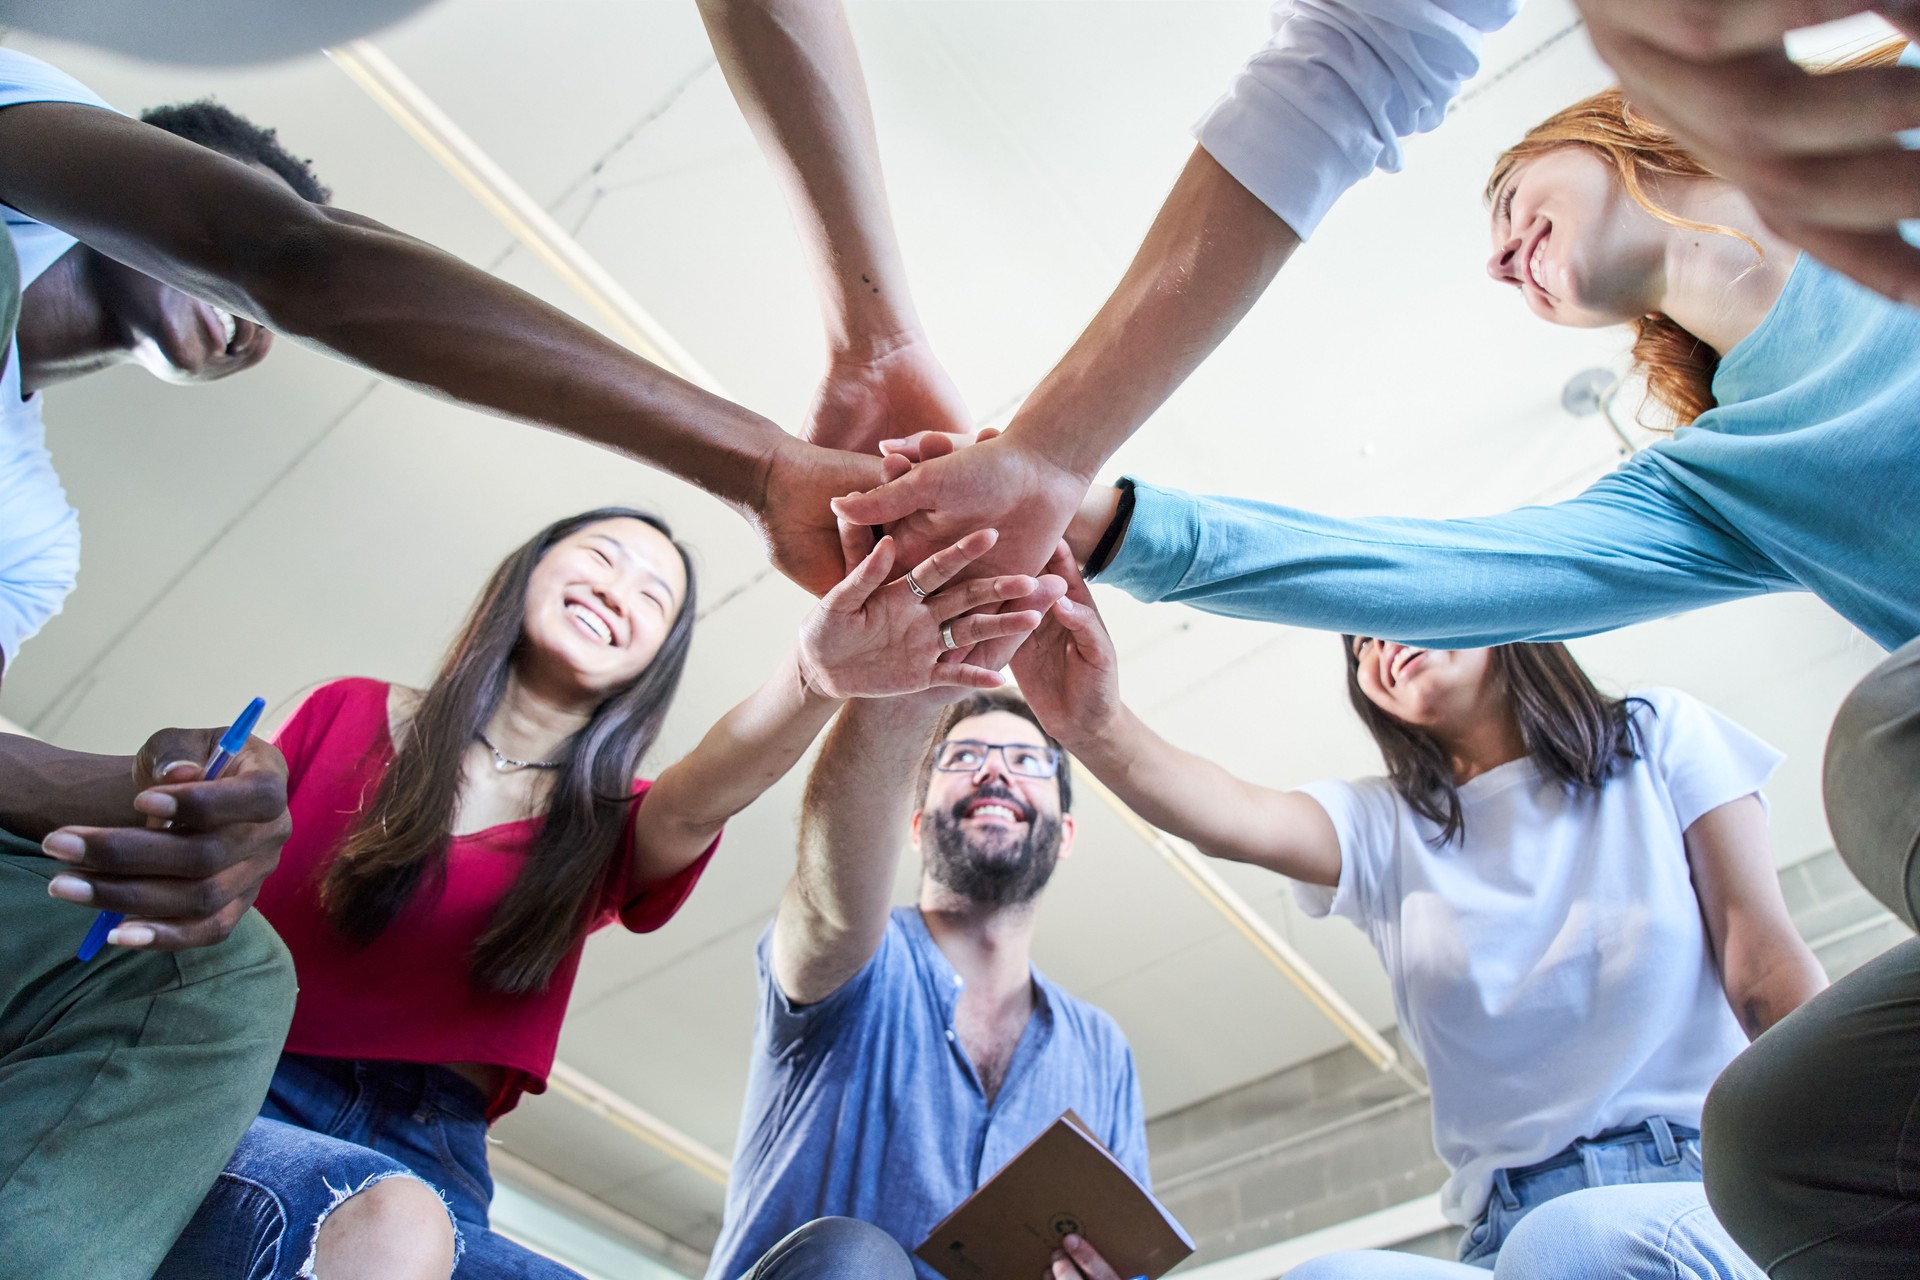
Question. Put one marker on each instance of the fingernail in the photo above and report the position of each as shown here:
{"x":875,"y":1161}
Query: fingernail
{"x":131,"y":935}
{"x":156,"y":804}
{"x":70,"y":889}
{"x":64,"y":845}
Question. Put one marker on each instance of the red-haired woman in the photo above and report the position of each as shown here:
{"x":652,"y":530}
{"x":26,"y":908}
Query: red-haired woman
{"x":453,"y":848}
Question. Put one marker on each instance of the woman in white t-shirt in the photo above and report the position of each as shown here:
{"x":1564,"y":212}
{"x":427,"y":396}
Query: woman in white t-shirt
{"x":1574,"y":898}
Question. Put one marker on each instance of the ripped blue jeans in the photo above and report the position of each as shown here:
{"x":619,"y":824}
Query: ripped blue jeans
{"x":334,"y":1126}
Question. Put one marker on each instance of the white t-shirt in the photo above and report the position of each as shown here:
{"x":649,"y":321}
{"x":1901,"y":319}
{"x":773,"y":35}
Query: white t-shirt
{"x":1328,"y":98}
{"x":1551,"y":969}
{"x":39,"y":531}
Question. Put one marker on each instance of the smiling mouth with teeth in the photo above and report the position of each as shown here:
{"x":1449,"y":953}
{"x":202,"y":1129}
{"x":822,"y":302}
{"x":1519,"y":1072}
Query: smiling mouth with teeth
{"x":1535,"y":261}
{"x":1406,"y":659}
{"x":591,"y":622}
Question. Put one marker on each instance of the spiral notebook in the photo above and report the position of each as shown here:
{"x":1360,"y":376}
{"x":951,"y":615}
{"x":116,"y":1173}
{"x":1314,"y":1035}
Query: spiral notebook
{"x":1065,"y":1182}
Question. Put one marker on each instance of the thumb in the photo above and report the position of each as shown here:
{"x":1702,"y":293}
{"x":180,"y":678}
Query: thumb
{"x":867,"y":577}
{"x":895,"y":500}
{"x":856,"y":544}
{"x":1084,"y":632}
{"x":173,"y":756}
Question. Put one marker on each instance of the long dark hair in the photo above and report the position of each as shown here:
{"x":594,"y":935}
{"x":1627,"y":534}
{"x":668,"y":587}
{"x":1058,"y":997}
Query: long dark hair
{"x":1575,"y":734}
{"x":400,"y":844}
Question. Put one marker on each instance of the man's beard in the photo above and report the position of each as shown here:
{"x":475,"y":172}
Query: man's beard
{"x":997,"y":870}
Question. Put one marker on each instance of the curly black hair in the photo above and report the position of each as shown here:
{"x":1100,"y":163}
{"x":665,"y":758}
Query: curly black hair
{"x":231,"y":134}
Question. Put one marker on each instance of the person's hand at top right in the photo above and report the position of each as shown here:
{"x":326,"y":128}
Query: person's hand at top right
{"x":1815,"y":153}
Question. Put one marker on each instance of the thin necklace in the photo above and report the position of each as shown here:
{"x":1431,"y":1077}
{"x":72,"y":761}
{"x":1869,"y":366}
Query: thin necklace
{"x":504,"y":763}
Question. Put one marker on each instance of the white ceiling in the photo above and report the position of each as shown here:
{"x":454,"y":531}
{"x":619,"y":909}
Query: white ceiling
{"x":304,"y":521}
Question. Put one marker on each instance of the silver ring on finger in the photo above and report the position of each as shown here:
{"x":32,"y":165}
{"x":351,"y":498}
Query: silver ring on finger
{"x":946,"y":636}
{"x":919,"y":592}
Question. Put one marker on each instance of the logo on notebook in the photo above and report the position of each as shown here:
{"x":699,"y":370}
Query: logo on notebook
{"x":1066,"y":1225}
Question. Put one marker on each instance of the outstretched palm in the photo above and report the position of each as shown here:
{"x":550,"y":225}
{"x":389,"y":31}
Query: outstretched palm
{"x":869,"y":637}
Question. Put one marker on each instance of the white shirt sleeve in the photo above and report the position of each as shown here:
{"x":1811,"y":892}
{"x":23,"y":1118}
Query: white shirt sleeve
{"x":1328,"y":98}
{"x":39,"y":564}
{"x":1366,"y":818}
{"x":1705,"y":759}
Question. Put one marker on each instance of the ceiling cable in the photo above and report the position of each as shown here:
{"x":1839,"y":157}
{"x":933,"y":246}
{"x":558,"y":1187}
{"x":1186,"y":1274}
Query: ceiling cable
{"x":524,"y":216}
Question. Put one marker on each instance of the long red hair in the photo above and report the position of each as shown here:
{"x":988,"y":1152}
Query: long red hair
{"x":1678,"y":367}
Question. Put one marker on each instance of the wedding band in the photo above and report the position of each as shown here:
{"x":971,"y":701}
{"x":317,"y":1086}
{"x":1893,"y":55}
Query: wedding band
{"x":920,"y":592}
{"x":946,"y":636}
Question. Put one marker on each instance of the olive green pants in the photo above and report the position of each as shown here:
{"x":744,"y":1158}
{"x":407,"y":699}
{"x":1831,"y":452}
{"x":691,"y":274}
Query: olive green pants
{"x":1813,"y":1133}
{"x":125,"y":1083}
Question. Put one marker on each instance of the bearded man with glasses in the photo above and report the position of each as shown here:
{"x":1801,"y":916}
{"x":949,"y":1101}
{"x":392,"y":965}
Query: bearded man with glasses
{"x":903,"y":1055}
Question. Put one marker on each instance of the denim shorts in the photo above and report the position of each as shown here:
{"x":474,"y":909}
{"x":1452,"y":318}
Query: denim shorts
{"x":331,"y":1127}
{"x":1656,"y":1150}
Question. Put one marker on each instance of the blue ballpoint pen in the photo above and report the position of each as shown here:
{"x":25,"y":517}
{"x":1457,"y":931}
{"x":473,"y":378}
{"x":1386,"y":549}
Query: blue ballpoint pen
{"x":230,"y":745}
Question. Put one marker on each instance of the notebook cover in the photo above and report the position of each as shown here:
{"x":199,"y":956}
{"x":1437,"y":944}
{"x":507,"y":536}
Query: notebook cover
{"x":1064,"y":1182}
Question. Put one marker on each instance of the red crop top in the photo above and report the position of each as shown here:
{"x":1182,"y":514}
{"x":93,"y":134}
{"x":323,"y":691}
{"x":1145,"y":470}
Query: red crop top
{"x":407,"y":996}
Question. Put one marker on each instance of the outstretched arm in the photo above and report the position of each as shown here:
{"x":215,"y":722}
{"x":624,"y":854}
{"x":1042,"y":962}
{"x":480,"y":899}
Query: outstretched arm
{"x":371,"y":295}
{"x":1069,"y":674}
{"x":796,"y":75}
{"x":1626,"y":550}
{"x":1314,"y":111}
{"x":853,"y":825}
{"x":1767,"y":970}
{"x":867,"y":638}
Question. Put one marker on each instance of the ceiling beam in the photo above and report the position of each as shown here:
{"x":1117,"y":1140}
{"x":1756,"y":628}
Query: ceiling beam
{"x":557,"y":1193}
{"x":624,"y":1114}
{"x":524,"y":216}
{"x":1193,"y":867}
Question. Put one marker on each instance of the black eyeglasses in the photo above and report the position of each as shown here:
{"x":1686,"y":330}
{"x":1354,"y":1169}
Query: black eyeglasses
{"x":963,"y":755}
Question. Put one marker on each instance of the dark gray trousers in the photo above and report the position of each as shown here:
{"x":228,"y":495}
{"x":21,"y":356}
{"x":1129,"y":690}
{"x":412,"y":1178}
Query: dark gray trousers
{"x":1815,"y":1130}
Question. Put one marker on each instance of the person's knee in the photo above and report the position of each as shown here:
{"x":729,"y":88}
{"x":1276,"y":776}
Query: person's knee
{"x":248,"y":976}
{"x":253,"y":953}
{"x":1873,"y":809}
{"x":1650,"y":1230}
{"x":1750,"y":1152}
{"x":1554,"y":1234}
{"x":846,"y":1246}
{"x":1338,"y":1266}
{"x":396,"y":1229}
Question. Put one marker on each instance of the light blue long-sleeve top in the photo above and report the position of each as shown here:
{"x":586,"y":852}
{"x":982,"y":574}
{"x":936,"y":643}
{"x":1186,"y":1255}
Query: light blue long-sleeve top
{"x":1805,"y":476}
